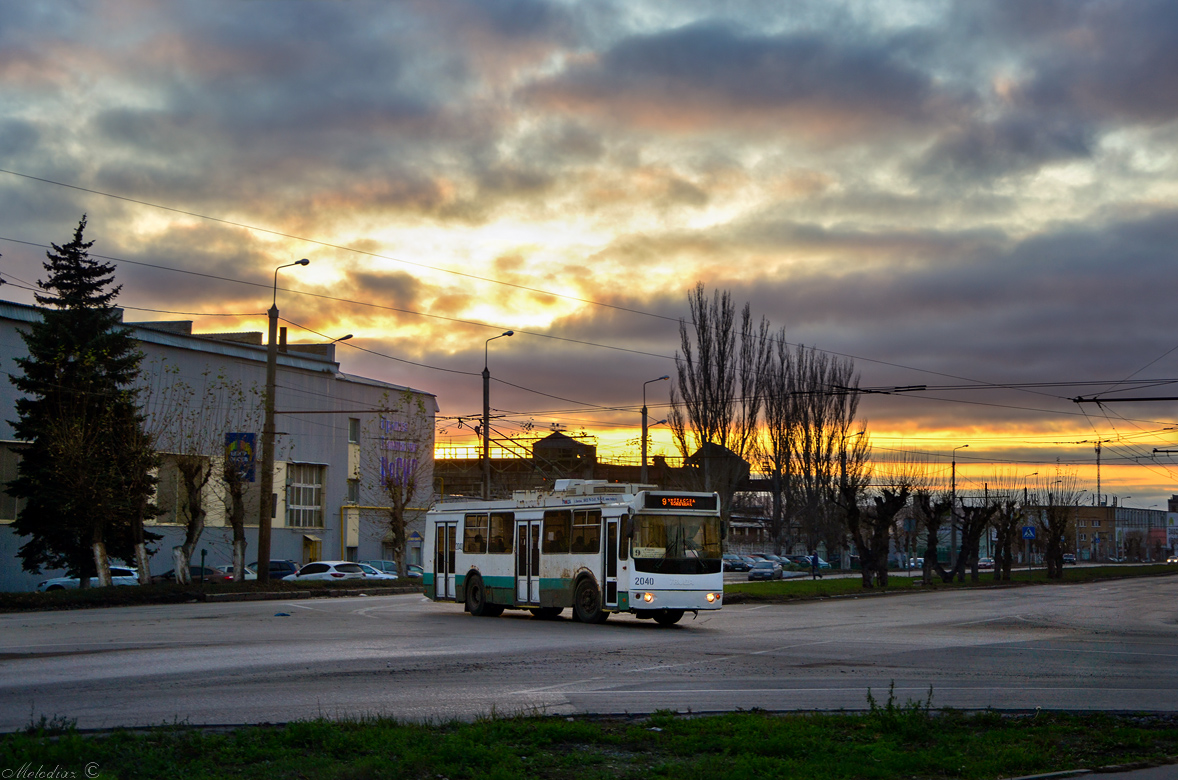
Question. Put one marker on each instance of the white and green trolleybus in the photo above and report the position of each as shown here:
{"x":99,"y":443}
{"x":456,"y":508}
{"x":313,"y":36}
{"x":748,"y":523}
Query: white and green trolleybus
{"x":595,"y":546}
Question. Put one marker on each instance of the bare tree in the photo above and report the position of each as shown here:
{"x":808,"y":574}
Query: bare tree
{"x":243,"y":418}
{"x":932,"y":510}
{"x":827,"y":455}
{"x":1010,"y":514}
{"x":716,"y":399}
{"x":1059,"y":500}
{"x":396,"y":476}
{"x":775,"y":448}
{"x":190,"y":423}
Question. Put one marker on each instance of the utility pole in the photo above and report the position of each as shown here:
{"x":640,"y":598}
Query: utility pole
{"x":645,"y":426}
{"x":266,"y":502}
{"x":953,"y":512}
{"x":487,"y":415}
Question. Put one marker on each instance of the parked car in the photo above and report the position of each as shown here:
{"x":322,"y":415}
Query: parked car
{"x":1172,"y":559}
{"x":373,"y":573}
{"x":1069,"y":558}
{"x":249,"y":574}
{"x":415,"y":571}
{"x":749,"y":561}
{"x":388,"y":567}
{"x":119,"y":575}
{"x":327,"y":570}
{"x":766,"y":570}
{"x":988,"y":563}
{"x":279,"y":568}
{"x":197,"y":572}
{"x":733,"y":562}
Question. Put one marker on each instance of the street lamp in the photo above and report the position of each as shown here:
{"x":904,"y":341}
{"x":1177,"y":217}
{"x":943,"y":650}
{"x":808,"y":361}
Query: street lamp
{"x":266,"y":500}
{"x":646,"y":427}
{"x":487,"y":415}
{"x":1027,"y":542}
{"x":953,"y":513}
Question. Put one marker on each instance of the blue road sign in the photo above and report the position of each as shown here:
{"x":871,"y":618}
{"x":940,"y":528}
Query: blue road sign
{"x":1028,"y":532}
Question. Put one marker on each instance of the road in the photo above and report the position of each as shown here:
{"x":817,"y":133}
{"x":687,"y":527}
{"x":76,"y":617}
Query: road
{"x":1110,"y":645}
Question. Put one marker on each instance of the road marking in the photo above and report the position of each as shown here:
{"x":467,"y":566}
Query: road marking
{"x":712,"y":659}
{"x":558,"y":685}
{"x":300,"y":606}
{"x":923,"y":690}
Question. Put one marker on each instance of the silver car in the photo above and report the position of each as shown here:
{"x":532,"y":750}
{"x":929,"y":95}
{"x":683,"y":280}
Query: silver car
{"x":327,"y":570}
{"x":119,"y":575}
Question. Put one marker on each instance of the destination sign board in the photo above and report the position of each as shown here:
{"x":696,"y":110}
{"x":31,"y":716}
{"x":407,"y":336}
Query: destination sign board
{"x":706,"y":501}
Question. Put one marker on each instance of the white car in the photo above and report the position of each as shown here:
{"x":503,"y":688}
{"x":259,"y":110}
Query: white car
{"x":371,"y":573}
{"x":327,"y":570}
{"x":119,"y":575}
{"x":250,"y":574}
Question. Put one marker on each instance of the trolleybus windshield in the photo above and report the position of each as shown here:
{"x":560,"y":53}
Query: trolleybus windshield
{"x":676,"y":544}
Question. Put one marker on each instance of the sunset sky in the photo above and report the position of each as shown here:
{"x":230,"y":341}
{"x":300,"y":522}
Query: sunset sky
{"x":969,"y":196}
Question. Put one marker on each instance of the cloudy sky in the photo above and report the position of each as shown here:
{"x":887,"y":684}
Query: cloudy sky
{"x":956,"y":194}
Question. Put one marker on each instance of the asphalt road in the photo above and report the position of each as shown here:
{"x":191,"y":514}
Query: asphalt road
{"x":1107,"y":646}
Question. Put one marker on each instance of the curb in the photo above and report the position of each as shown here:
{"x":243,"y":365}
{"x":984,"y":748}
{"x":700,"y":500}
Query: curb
{"x":289,"y":595}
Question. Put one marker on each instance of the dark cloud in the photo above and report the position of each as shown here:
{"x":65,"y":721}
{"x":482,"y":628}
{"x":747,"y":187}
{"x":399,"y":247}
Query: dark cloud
{"x":709,"y":75}
{"x":1011,"y":144}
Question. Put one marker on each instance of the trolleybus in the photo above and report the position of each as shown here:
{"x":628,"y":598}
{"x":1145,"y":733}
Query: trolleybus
{"x":594,"y":546}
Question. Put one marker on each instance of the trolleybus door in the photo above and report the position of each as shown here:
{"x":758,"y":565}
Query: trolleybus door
{"x":611,"y":563}
{"x":527,"y":562}
{"x":444,"y":560}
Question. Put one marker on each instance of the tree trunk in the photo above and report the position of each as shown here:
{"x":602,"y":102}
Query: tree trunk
{"x":101,"y":563}
{"x":180,"y":566}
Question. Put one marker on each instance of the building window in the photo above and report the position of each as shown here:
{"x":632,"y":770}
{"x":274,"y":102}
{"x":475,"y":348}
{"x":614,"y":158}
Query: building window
{"x":353,"y":491}
{"x":353,"y":430}
{"x":1083,"y":537}
{"x":171,"y":497}
{"x":304,"y":495}
{"x":1081,"y":523}
{"x":352,"y":554}
{"x":1096,"y":524}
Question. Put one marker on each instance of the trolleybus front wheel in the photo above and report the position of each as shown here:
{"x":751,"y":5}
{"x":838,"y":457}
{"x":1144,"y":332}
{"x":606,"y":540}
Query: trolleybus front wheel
{"x":668,"y":617}
{"x":587,"y":603}
{"x":476,"y":599}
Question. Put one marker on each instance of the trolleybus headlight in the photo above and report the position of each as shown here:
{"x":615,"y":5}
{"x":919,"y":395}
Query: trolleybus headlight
{"x":648,"y":597}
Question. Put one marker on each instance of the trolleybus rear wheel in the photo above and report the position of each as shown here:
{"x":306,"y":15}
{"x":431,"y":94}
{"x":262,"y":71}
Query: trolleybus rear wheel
{"x":476,"y":599}
{"x":587,"y":603}
{"x":668,"y":617}
{"x":546,"y":613}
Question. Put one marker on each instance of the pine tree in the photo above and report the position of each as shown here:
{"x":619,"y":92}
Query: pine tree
{"x":86,"y":473}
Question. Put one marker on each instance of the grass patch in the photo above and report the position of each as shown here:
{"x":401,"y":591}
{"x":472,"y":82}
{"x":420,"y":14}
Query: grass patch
{"x":890,"y":741}
{"x":794,"y":589}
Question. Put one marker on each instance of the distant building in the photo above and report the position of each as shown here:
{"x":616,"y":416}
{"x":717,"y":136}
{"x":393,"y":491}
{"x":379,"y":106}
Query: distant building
{"x":326,"y":432}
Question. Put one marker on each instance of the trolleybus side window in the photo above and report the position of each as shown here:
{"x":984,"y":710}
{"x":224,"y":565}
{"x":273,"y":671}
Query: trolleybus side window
{"x":586,"y":531}
{"x":557,"y":526}
{"x":474,"y":540}
{"x":502,"y":531}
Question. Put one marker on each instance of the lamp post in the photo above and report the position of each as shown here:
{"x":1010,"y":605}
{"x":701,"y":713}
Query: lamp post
{"x":645,"y":427}
{"x":487,"y":415}
{"x":266,"y":500}
{"x":1027,"y":542}
{"x":953,"y":511}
